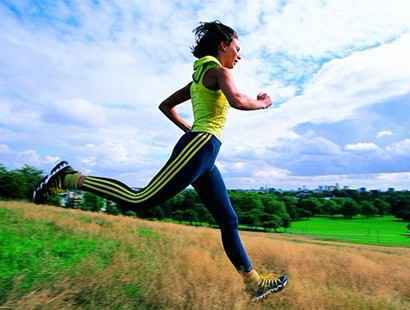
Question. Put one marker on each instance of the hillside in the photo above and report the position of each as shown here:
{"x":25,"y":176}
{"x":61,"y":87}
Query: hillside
{"x":56,"y":258}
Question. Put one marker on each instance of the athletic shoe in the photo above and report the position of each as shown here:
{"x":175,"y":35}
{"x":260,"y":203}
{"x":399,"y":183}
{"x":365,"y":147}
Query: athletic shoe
{"x":268,"y":285}
{"x":53,"y":182}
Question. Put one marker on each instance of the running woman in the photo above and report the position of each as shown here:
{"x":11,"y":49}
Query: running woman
{"x":192,"y":162}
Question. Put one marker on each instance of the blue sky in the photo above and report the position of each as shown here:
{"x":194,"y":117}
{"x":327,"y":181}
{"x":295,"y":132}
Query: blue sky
{"x":82,"y":81}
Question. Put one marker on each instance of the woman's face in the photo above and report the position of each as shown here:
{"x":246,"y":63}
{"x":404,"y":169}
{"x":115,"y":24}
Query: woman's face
{"x":230,"y":53}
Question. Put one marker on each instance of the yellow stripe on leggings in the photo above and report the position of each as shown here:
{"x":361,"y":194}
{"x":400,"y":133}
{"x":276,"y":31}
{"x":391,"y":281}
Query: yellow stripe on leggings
{"x":191,"y":145}
{"x":129,"y":198}
{"x":97,"y":186}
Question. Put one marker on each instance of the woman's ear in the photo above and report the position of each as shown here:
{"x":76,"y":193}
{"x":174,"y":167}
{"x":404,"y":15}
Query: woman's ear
{"x":223,"y":46}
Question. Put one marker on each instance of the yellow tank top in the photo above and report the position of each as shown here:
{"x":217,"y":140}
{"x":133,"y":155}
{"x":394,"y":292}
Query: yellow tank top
{"x":210,"y":107}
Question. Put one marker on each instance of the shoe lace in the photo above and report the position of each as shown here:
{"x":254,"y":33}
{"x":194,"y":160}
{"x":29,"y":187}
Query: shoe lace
{"x":268,"y":280}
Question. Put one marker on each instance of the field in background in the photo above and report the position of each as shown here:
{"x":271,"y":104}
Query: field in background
{"x":69,"y":259}
{"x":386,"y":230}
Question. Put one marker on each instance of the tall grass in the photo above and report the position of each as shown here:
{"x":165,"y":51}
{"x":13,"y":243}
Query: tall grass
{"x":155,"y":265}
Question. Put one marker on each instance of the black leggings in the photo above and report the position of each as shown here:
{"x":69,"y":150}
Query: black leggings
{"x":192,"y":163}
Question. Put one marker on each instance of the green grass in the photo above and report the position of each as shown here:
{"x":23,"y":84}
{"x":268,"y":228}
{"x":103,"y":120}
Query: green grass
{"x":387,"y":230}
{"x":33,"y":253}
{"x":38,"y":255}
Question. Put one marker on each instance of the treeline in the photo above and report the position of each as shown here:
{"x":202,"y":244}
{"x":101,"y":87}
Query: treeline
{"x":278,"y":209}
{"x":18,"y":184}
{"x":255,"y":209}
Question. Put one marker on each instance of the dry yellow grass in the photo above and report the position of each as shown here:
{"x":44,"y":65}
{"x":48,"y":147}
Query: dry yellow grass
{"x":192,"y":271}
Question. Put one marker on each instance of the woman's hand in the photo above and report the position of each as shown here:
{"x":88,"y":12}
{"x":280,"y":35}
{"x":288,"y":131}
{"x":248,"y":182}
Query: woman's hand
{"x":265,"y":100}
{"x":168,"y":107}
{"x":188,"y":128}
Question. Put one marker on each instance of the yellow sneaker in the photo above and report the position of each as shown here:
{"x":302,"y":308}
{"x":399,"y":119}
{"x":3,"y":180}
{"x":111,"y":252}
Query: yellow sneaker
{"x":267,"y":285}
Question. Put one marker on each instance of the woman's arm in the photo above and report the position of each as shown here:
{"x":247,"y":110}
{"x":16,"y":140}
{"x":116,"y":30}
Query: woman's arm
{"x":168,"y":107}
{"x":235,"y":98}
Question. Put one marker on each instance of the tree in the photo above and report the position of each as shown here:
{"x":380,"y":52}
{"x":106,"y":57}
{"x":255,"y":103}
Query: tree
{"x":91,"y":202}
{"x":330,"y":207}
{"x":272,"y":221}
{"x":203,"y":214}
{"x":190,"y":215}
{"x":130,"y":213}
{"x":249,"y":208}
{"x":368,"y":209}
{"x":178,"y":215}
{"x":273,"y":206}
{"x":111,"y":208}
{"x":29,"y":177}
{"x":274,"y":213}
{"x":382,"y":206}
{"x":401,"y":209}
{"x":349,"y":208}
{"x":291,"y":206}
{"x":157,"y":212}
{"x":18,"y":184}
{"x":310,"y":205}
{"x":190,"y":199}
{"x":54,"y":200}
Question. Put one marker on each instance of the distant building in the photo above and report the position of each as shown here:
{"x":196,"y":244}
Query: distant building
{"x":330,"y":188}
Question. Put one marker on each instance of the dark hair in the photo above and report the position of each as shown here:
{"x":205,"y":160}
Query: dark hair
{"x":208,"y":35}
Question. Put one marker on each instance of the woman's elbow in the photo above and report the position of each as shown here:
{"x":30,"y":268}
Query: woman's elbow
{"x":237,"y":104}
{"x":162,"y":107}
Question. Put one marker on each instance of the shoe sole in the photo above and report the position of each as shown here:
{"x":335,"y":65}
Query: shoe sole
{"x":275,"y":290}
{"x":56,"y":169}
{"x":60,"y":165}
{"x":44,"y":181}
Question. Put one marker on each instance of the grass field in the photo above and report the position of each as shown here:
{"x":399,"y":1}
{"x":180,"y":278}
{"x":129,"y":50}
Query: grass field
{"x":387,"y":230}
{"x":54,"y":258}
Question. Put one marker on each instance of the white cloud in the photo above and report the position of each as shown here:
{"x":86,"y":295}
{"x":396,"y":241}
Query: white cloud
{"x":384,"y":133}
{"x":90,"y":92}
{"x":337,"y":91}
{"x":400,"y":148}
{"x":361,"y":147}
{"x":238,"y":165}
{"x":267,"y":173}
{"x":77,"y":111}
{"x":31,"y":157}
{"x":89,"y":161}
{"x":4,"y":149}
{"x":381,"y":181}
{"x":401,"y":179}
{"x":345,"y":85}
{"x":312,"y":28}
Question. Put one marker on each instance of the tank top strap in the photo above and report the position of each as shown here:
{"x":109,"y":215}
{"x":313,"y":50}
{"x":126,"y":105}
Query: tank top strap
{"x":203,"y":70}
{"x":202,"y":66}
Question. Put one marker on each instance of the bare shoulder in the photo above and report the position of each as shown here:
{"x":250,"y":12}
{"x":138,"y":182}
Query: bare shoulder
{"x":222,"y":72}
{"x":211,"y":77}
{"x":215,"y":77}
